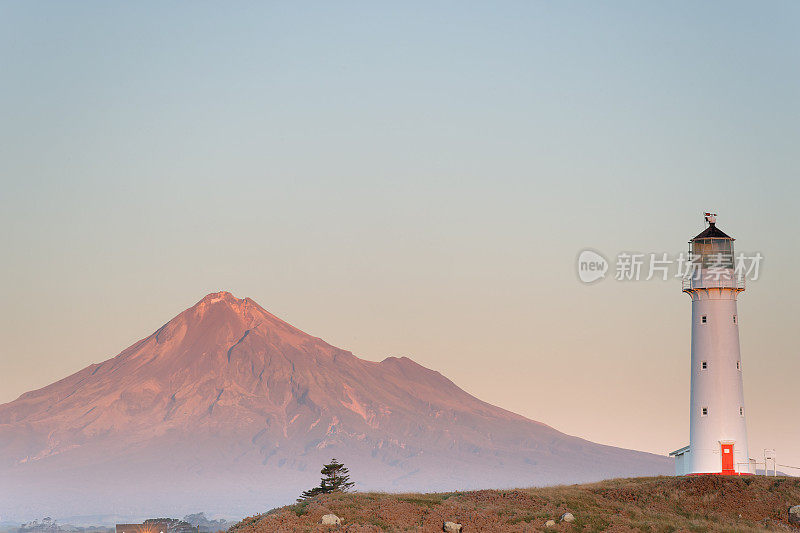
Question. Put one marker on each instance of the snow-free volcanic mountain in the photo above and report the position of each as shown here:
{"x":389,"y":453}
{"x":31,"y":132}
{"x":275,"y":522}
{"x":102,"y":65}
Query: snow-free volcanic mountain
{"x":228,"y":409}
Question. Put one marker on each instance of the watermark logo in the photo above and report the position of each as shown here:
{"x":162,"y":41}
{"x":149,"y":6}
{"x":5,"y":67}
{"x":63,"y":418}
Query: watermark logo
{"x":591,"y":266}
{"x":631,"y":266}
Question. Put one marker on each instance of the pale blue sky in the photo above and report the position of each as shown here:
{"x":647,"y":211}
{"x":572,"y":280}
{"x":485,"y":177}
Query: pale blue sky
{"x":410,"y":179}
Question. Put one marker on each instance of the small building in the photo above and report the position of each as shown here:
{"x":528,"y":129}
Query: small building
{"x":158,"y":525}
{"x":155,"y":526}
{"x":681,"y":461}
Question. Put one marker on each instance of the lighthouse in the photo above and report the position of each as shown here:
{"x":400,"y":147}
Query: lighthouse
{"x":717,"y":430}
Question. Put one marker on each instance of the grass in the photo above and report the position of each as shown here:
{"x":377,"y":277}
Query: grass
{"x":425,"y":501}
{"x":648,"y":505}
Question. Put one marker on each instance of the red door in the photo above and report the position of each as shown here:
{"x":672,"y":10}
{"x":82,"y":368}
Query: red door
{"x":727,"y":459}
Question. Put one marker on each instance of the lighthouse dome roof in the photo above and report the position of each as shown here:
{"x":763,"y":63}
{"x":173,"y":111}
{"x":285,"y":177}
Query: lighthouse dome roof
{"x":713,"y":232}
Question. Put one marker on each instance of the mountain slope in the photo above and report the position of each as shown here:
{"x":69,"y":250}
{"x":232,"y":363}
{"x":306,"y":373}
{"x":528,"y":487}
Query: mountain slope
{"x":227,"y":408}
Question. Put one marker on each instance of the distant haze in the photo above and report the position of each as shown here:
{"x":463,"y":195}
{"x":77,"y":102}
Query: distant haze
{"x":409,"y":180}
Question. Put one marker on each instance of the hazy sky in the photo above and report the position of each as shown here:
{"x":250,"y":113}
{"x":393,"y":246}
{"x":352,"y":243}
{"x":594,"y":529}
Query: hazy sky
{"x":408,"y":179}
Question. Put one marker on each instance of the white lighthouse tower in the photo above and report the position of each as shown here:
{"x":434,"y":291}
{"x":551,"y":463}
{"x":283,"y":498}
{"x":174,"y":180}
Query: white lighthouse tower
{"x":717,"y":430}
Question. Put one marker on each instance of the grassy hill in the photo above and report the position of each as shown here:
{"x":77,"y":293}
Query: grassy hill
{"x":662,"y":504}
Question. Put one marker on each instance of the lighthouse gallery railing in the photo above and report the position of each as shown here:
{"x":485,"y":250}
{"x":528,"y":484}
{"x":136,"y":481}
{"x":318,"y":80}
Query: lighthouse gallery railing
{"x":711,"y":280}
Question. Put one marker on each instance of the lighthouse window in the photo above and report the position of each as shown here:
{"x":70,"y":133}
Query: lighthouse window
{"x":704,"y":319}
{"x":704,"y":365}
{"x":741,"y":411}
{"x":734,"y":319}
{"x":705,"y":411}
{"x":738,"y":365}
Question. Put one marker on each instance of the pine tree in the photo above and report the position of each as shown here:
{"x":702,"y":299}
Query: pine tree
{"x":335,"y":478}
{"x":310,"y":493}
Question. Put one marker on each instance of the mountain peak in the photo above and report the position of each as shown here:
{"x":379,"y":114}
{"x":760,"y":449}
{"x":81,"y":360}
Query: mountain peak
{"x":221,"y":295}
{"x":233,"y":318}
{"x":240,"y":307}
